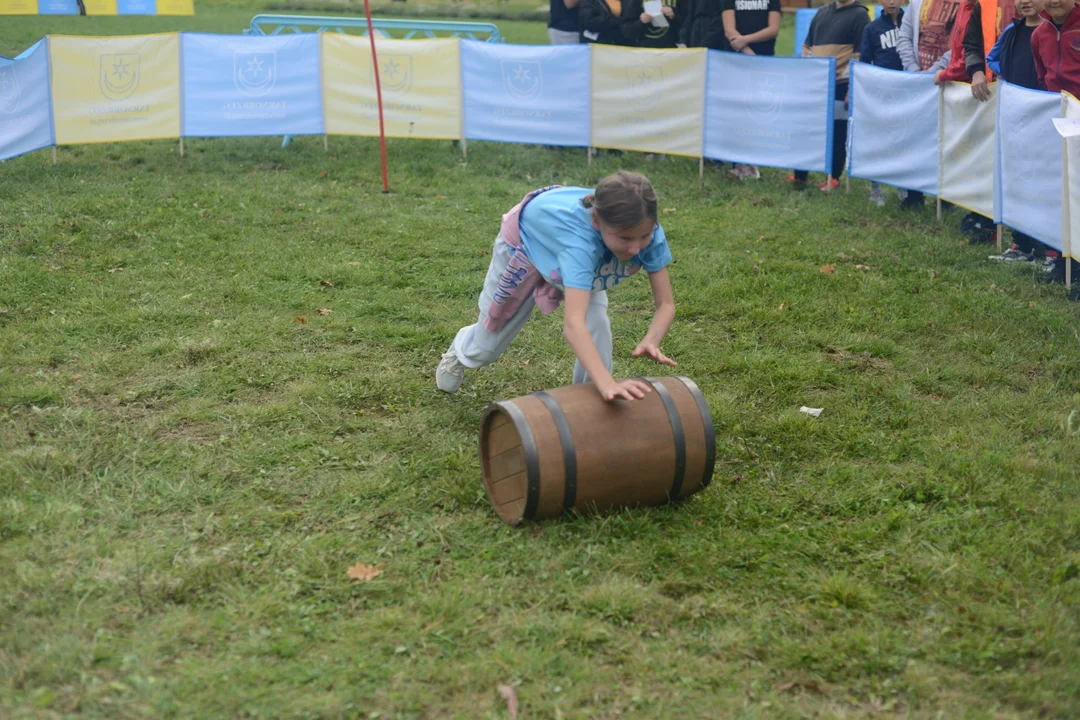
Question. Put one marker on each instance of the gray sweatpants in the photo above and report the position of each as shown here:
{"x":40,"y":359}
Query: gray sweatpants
{"x":563,"y":37}
{"x":476,"y":347}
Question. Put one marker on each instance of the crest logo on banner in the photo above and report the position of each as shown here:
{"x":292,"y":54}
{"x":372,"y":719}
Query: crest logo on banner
{"x":119,"y":75}
{"x":254,"y":72}
{"x":9,"y":90}
{"x":522,"y":80}
{"x":765,"y":95}
{"x":645,"y":81}
{"x":395,"y":74}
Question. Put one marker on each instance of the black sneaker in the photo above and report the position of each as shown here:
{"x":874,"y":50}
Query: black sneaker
{"x":1056,"y":273}
{"x":978,"y":229}
{"x":913,"y":202}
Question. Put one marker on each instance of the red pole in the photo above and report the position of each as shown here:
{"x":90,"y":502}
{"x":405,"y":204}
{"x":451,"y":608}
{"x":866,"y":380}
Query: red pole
{"x":378,"y":95}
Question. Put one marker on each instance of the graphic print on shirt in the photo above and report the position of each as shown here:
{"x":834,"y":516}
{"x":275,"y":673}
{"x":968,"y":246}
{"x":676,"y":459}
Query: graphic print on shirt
{"x":935,"y":24}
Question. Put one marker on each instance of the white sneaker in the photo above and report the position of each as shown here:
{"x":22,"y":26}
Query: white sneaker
{"x":449,"y":374}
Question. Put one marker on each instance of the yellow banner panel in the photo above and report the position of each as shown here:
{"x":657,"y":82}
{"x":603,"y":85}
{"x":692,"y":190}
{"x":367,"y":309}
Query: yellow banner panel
{"x":115,"y":89}
{"x":648,"y":100}
{"x":421,"y":87}
{"x":175,"y":7}
{"x":18,"y":7}
{"x":968,"y":149}
{"x":100,"y":7}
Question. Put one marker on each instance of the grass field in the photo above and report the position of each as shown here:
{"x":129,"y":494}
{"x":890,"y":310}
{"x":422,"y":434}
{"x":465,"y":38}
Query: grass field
{"x":192,"y":454}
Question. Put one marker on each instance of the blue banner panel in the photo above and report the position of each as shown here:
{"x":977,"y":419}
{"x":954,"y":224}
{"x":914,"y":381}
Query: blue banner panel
{"x":25,"y":105}
{"x":774,"y":111}
{"x":244,"y":85}
{"x":526,"y":94}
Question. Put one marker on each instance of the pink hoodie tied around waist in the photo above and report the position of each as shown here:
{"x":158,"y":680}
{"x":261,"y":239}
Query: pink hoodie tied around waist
{"x":520,"y":279}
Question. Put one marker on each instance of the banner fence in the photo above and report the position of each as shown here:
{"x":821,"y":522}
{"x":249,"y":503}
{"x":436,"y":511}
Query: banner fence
{"x":1001,"y":158}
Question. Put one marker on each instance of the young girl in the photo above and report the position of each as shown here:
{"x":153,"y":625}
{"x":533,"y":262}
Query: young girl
{"x":570,"y":243}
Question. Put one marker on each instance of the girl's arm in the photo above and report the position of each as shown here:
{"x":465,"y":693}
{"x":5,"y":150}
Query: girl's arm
{"x":662,"y":319}
{"x":577,"y":334}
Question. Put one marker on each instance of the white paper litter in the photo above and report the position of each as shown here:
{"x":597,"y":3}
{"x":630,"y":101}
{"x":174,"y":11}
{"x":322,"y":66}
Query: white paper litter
{"x":1067,"y":127}
{"x":814,"y":412}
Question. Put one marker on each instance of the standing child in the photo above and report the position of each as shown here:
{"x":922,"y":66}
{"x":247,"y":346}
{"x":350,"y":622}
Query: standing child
{"x":1011,"y":58}
{"x":638,"y":27}
{"x":836,"y":31}
{"x":1056,"y":46}
{"x":879,"y":47}
{"x":572,"y":243}
{"x":751,"y":27}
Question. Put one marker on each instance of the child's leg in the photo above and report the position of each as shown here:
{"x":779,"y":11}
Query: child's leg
{"x":474,"y":345}
{"x":599,"y":326}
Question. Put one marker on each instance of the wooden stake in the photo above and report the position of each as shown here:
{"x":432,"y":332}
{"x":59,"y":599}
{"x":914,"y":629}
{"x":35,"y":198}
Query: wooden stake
{"x":464,"y":148}
{"x":54,"y":155}
{"x":588,"y":154}
{"x":326,"y":143}
{"x":939,"y":209}
{"x":847,"y":184}
{"x":828,"y":183}
{"x":181,"y":147}
{"x":701,"y":168}
{"x":1000,"y":234}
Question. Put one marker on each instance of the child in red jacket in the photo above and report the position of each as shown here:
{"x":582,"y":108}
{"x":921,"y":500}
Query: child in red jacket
{"x":1056,"y":45}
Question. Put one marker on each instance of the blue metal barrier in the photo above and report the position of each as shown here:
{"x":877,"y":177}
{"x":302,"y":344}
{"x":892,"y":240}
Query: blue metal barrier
{"x":278,"y":24}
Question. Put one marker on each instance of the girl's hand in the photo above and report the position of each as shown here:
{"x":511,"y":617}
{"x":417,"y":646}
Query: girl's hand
{"x":646,"y":18}
{"x":625,"y":390}
{"x":652,"y":351}
{"x":668,"y":12}
{"x":738,"y":42}
{"x":937,"y":77}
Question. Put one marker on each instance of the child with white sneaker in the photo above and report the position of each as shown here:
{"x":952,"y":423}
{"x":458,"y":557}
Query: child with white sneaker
{"x":571,"y":244}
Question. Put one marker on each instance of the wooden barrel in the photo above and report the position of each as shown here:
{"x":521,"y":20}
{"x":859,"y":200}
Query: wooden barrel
{"x":567,"y":449}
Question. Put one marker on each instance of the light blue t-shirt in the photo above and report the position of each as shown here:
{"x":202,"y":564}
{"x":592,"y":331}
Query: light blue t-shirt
{"x":561,"y":242}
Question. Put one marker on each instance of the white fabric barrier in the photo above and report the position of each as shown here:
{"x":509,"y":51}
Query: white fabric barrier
{"x":1030,"y":168}
{"x":1070,"y":240}
{"x":968,"y":149}
{"x":893,"y":135}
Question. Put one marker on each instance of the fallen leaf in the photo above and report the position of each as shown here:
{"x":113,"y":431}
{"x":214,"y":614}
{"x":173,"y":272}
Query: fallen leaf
{"x":441,"y":197}
{"x":324,"y":311}
{"x":526,"y":362}
{"x":301,"y":319}
{"x":323,"y":173}
{"x":829,"y":269}
{"x":1031,"y":303}
{"x":862,"y":267}
{"x":756,"y":267}
{"x":785,"y":687}
{"x":668,"y":211}
{"x":116,"y":270}
{"x":841,"y":256}
{"x":784,"y":305}
{"x":509,"y":694}
{"x":363,"y":572}
{"x":354,"y":263}
{"x":933,"y":273}
{"x":326,"y":283}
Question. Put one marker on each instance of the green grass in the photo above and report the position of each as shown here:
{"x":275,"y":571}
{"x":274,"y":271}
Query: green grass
{"x":187,"y":471}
